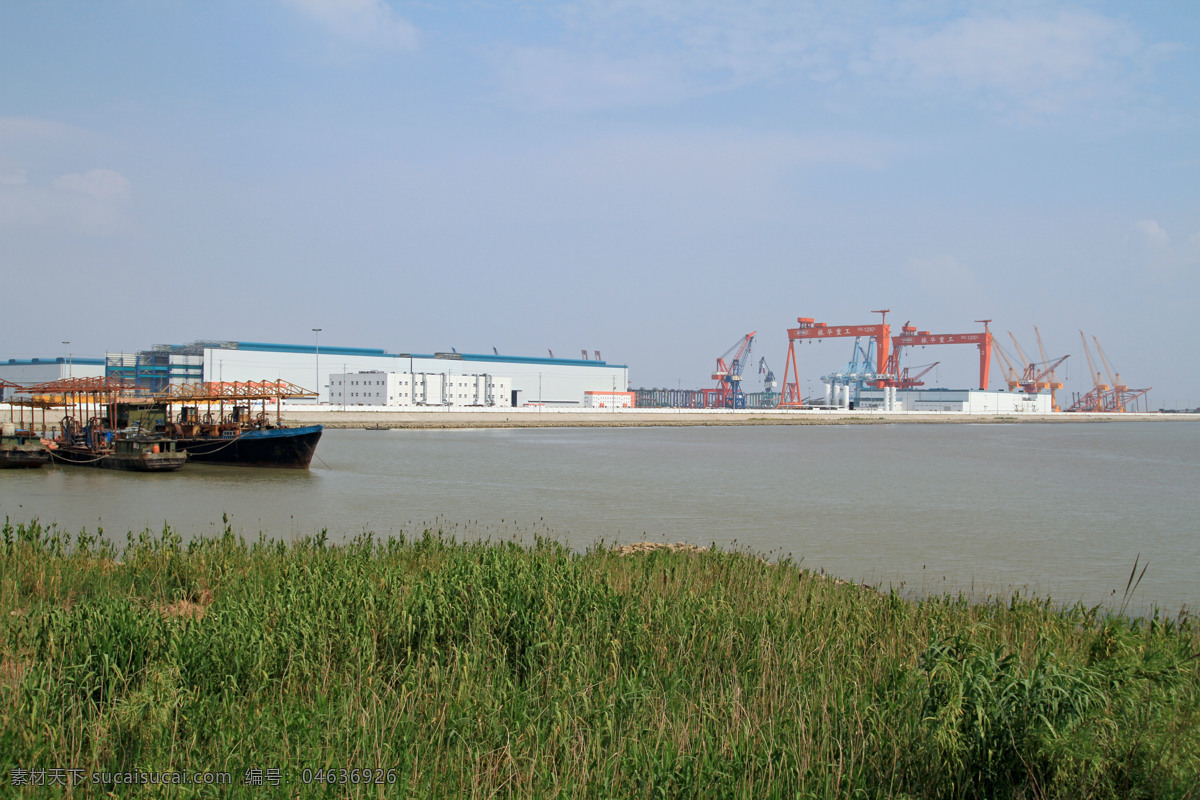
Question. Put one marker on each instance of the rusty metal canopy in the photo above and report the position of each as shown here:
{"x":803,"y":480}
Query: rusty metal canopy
{"x":234,"y":390}
{"x":106,"y":385}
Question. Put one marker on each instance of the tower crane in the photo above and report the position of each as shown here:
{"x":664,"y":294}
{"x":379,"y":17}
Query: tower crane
{"x":728,"y":393}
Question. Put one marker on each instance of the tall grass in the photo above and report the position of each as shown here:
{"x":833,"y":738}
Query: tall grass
{"x":495,"y":670}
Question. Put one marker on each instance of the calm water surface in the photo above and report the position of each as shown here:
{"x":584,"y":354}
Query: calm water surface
{"x":1052,"y":509}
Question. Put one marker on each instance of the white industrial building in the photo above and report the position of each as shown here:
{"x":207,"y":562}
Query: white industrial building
{"x":548,"y":381}
{"x":404,"y":389}
{"x":968,"y":401}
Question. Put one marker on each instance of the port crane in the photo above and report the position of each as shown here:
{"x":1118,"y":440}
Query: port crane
{"x":1011,"y":376}
{"x":1095,"y":398}
{"x":857,"y":372}
{"x":769,"y":382}
{"x":1035,"y":376}
{"x":907,"y":381}
{"x":1113,"y":397}
{"x":728,"y":375}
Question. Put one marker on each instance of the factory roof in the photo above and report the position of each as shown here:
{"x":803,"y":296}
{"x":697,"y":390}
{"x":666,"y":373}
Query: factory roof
{"x":55,"y":360}
{"x":198,"y":347}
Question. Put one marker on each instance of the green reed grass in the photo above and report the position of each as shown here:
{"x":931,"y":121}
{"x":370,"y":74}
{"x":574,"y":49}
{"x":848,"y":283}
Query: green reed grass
{"x":488,"y":669}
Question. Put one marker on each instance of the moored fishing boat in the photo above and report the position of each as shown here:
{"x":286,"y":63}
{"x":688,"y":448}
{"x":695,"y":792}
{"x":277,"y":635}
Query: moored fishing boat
{"x":218,"y":423}
{"x":243,"y":445}
{"x":21,"y":449}
{"x":130,"y":451}
{"x":130,"y":427}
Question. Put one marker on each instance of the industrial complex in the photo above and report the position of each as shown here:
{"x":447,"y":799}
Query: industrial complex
{"x":876,"y":378}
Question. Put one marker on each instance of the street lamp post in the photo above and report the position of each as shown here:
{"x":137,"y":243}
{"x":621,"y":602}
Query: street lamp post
{"x":68,"y":345}
{"x":317,"y":337}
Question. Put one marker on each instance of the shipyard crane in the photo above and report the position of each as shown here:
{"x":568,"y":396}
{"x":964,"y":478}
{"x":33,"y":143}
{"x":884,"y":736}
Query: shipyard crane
{"x":906,"y":381}
{"x":1011,"y":376}
{"x":1046,"y":377}
{"x":1095,"y":398}
{"x":1120,"y":395}
{"x":728,"y":375}
{"x":809,"y":329}
{"x":911,"y":337}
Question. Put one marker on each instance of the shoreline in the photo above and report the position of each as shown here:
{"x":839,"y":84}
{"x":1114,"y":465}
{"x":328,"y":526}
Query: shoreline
{"x":372,"y":418}
{"x":379,"y":418}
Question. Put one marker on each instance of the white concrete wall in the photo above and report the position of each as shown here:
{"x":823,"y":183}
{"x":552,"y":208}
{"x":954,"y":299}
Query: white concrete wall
{"x":965,"y":401}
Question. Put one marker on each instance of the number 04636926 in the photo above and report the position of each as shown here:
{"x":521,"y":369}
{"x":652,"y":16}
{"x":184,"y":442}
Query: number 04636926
{"x":345,"y":775}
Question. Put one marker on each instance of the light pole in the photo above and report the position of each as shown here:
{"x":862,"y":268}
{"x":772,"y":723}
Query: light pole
{"x":68,"y":346}
{"x":317,"y":337}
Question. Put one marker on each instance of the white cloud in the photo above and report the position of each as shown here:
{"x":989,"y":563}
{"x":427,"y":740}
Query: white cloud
{"x":1149,"y":248}
{"x":1149,"y":233}
{"x":1034,"y":63}
{"x":38,"y":194}
{"x":99,"y":184}
{"x":1037,"y":63}
{"x":361,"y":22}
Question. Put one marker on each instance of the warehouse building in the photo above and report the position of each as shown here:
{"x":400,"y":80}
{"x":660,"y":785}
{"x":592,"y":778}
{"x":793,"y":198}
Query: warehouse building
{"x":409,"y":390}
{"x":548,"y":381}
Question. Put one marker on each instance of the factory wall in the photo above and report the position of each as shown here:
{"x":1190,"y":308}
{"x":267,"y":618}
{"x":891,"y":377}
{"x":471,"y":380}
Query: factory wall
{"x":549,"y":381}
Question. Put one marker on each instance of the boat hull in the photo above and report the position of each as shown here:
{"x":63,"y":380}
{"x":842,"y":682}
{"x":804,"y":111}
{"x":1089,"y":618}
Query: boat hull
{"x":23,"y":452}
{"x":291,"y":448}
{"x":126,"y":462}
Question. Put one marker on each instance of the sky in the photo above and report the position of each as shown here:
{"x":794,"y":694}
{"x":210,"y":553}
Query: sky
{"x":653,"y":179}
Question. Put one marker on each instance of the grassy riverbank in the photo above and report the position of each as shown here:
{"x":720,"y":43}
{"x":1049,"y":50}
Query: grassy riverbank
{"x":481,"y":670}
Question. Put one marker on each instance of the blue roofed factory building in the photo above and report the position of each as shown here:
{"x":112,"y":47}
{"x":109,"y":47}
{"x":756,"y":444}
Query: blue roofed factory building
{"x":533,"y":380}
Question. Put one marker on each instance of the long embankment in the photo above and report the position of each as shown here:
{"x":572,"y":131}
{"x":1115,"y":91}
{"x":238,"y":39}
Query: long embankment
{"x":362,"y":417}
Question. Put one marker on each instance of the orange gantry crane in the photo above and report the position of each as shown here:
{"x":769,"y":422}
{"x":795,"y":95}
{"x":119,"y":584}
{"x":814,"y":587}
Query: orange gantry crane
{"x":809,"y":329}
{"x":911,"y":337}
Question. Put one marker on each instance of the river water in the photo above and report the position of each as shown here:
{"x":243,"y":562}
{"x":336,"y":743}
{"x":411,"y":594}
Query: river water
{"x":1048,"y":509}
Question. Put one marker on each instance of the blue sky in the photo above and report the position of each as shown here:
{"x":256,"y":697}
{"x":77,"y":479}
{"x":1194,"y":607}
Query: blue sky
{"x":650,"y":179}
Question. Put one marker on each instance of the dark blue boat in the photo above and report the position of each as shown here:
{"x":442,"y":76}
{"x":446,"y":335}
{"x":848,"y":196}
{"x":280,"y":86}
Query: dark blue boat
{"x":255,"y":447}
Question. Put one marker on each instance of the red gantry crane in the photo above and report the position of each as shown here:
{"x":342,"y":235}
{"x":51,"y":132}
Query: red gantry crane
{"x":911,"y":337}
{"x":809,"y":329}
